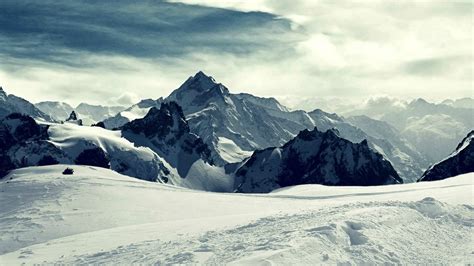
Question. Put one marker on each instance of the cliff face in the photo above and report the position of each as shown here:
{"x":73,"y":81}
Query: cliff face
{"x":166,"y":132}
{"x":315,"y":157}
{"x":461,"y":161}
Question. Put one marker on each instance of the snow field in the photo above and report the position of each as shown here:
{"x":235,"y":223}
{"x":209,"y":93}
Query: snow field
{"x":99,"y":216}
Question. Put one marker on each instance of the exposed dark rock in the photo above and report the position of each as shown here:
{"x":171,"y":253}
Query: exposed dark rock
{"x":166,"y":131}
{"x":72,"y":116}
{"x":161,"y":122}
{"x":99,"y":124}
{"x":23,"y":143}
{"x":47,"y":160}
{"x":93,"y":157}
{"x":5,"y":165}
{"x":315,"y":157}
{"x":461,"y":161}
{"x":68,"y":171}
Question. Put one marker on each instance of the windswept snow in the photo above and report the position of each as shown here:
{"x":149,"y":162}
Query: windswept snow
{"x":68,"y":136}
{"x":139,"y":162}
{"x":99,"y":216}
{"x":135,"y":112}
{"x":230,"y":152}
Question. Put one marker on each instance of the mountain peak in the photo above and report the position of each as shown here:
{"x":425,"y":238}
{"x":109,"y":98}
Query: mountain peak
{"x":419,"y":101}
{"x":200,"y":82}
{"x":3,"y":94}
{"x":201,"y":74}
{"x":160,"y":122}
{"x":72,"y":116}
{"x":197,"y":88}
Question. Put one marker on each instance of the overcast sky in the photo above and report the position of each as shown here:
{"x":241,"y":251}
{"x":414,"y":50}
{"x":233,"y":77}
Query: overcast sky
{"x":121,"y":51}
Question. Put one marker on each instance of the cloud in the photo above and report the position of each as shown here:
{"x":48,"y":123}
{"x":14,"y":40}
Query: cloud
{"x":125,"y":99}
{"x":383,"y":101}
{"x":291,"y":49}
{"x":52,"y":30}
{"x":372,"y":47}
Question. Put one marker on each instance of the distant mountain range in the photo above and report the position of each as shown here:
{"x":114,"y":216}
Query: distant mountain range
{"x":423,"y":123}
{"x":13,"y":104}
{"x":234,"y":125}
{"x":89,"y":114}
{"x":202,"y":136}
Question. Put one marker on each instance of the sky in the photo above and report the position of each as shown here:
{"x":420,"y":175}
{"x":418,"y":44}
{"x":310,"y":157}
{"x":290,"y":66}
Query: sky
{"x":117,"y":52}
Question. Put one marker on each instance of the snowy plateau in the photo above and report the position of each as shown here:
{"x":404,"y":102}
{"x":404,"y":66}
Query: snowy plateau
{"x":99,"y":216}
{"x":206,"y":176}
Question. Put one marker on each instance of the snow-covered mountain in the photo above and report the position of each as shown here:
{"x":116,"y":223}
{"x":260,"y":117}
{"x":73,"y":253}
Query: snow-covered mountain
{"x":461,"y":161}
{"x":423,"y":123}
{"x":434,"y":135}
{"x":166,"y":132}
{"x":10,"y":103}
{"x":404,"y":158}
{"x":267,"y":103}
{"x":25,"y":143}
{"x":329,"y":104}
{"x":460,"y":103}
{"x":135,"y":111}
{"x":315,"y":157}
{"x":107,"y":146}
{"x":389,"y":141}
{"x":228,"y":122}
{"x":234,"y":125}
{"x":240,"y":123}
{"x":90,"y":114}
{"x":57,"y":110}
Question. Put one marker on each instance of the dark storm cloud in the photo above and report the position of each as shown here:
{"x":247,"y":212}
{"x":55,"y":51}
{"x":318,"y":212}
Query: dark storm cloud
{"x":56,"y":31}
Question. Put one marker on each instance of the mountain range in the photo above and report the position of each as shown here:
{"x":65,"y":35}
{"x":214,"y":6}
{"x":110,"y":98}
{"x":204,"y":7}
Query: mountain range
{"x":89,"y":114}
{"x":234,"y":125}
{"x":315,"y":157}
{"x":204,"y":137}
{"x":424,"y":123}
{"x":12,"y":104}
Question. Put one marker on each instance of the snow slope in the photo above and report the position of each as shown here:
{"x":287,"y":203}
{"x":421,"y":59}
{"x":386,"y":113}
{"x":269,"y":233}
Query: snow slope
{"x":57,"y":110}
{"x":10,"y":103}
{"x":135,"y":111}
{"x":166,"y":132}
{"x":92,"y":114}
{"x":139,"y":162}
{"x":99,"y":216}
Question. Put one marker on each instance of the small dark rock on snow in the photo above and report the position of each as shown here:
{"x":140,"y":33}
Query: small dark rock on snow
{"x":68,"y":171}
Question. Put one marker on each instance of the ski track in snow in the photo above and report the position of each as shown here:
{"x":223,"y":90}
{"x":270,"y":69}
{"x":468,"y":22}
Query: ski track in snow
{"x":84,"y":219}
